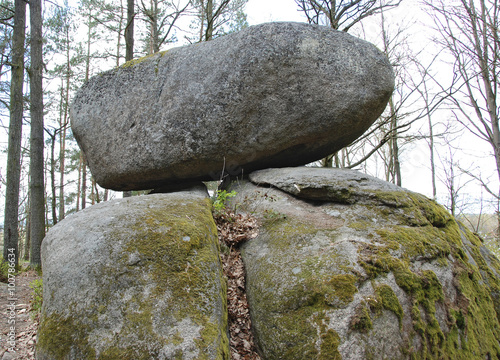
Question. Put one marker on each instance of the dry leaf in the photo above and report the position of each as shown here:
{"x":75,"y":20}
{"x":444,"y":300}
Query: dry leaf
{"x":233,"y":230}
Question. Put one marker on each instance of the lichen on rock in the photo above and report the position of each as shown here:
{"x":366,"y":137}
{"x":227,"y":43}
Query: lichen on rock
{"x":144,"y":281}
{"x":385,"y":274}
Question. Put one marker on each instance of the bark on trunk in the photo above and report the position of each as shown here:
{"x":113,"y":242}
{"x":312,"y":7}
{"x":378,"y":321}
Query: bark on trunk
{"x":84,"y":181}
{"x":36,"y":143}
{"x":11,"y":232}
{"x":53,"y":178}
{"x":129,"y":31}
{"x":129,"y":44}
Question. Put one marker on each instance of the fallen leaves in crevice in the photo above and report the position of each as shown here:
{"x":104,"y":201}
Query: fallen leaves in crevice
{"x":233,"y":230}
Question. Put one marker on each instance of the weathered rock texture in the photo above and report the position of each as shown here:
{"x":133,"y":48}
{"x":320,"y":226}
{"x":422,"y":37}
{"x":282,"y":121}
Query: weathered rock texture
{"x":277,"y":94}
{"x":371,"y":272}
{"x":137,"y":278}
{"x":346,"y":186}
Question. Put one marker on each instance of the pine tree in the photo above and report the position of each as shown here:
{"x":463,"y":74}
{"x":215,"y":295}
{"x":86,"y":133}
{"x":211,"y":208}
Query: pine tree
{"x":36,"y":140}
{"x":11,"y":232}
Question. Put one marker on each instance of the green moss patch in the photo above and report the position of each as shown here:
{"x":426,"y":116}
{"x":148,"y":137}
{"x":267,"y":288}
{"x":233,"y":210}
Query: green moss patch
{"x":58,"y":337}
{"x":298,"y":311}
{"x":426,"y":232}
{"x":167,"y":276}
{"x":330,"y":342}
{"x":389,"y":301}
{"x":402,"y":238}
{"x":361,"y":321}
{"x":134,"y":62}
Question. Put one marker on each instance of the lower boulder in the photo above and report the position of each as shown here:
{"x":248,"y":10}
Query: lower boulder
{"x":135,"y":278}
{"x":362,"y":269}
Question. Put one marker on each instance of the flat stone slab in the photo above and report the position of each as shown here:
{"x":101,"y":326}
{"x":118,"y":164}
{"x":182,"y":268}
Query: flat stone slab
{"x":331,"y":184}
{"x":272,"y":95}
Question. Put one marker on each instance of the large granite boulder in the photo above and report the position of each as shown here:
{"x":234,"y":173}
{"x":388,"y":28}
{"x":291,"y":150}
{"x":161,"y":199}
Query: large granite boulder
{"x":135,"y":278}
{"x":362,"y":269}
{"x":277,"y":94}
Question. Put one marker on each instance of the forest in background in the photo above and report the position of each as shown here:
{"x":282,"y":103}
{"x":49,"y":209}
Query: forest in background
{"x":443,"y":107}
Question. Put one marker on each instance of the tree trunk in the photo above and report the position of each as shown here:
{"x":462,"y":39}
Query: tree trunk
{"x":36,"y":142}
{"x":83,"y":159}
{"x":97,"y":198}
{"x":92,"y":194}
{"x":27,"y":243}
{"x":84,"y":181}
{"x":497,"y":232}
{"x":63,"y":126}
{"x":129,"y":31}
{"x":210,"y":20}
{"x":53,"y":177}
{"x":431,"y":150}
{"x":11,"y":232}
{"x":202,"y":19}
{"x":154,"y":27}
{"x":337,"y":159}
{"x":327,"y":161}
{"x":129,"y":55}
{"x":119,"y":38}
{"x":79,"y":185}
{"x":396,"y":166}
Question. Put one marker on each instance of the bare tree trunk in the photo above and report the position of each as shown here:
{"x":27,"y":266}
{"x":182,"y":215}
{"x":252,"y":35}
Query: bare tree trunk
{"x":327,"y":161}
{"x":202,"y":19}
{"x":337,"y":159}
{"x":210,"y":20}
{"x":129,"y":31}
{"x":36,"y":143}
{"x":80,"y":161}
{"x":11,"y":231}
{"x":129,"y":55}
{"x":83,"y":159}
{"x":396,"y":166}
{"x":154,"y":28}
{"x":95,"y":198}
{"x":431,"y":151}
{"x":27,"y":243}
{"x":451,"y":189}
{"x":497,"y":232}
{"x":53,"y":177}
{"x":84,"y":181}
{"x":119,"y":39}
{"x":92,"y":194}
{"x":63,"y":126}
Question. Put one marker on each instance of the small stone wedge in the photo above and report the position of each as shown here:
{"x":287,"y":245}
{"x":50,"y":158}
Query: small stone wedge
{"x":272,"y":95}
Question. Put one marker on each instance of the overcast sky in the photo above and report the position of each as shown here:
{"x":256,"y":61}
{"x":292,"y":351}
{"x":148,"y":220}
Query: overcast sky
{"x":259,"y":11}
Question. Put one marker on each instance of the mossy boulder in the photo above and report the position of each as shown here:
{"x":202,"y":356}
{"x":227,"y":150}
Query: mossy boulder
{"x":135,"y":278}
{"x":377,"y":273}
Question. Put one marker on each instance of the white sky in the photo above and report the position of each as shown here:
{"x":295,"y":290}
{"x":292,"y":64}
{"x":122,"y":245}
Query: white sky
{"x":260,"y":11}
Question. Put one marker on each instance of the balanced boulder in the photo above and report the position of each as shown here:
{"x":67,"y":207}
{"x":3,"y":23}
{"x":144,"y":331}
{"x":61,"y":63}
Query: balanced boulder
{"x":136,"y":278}
{"x":277,"y":94}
